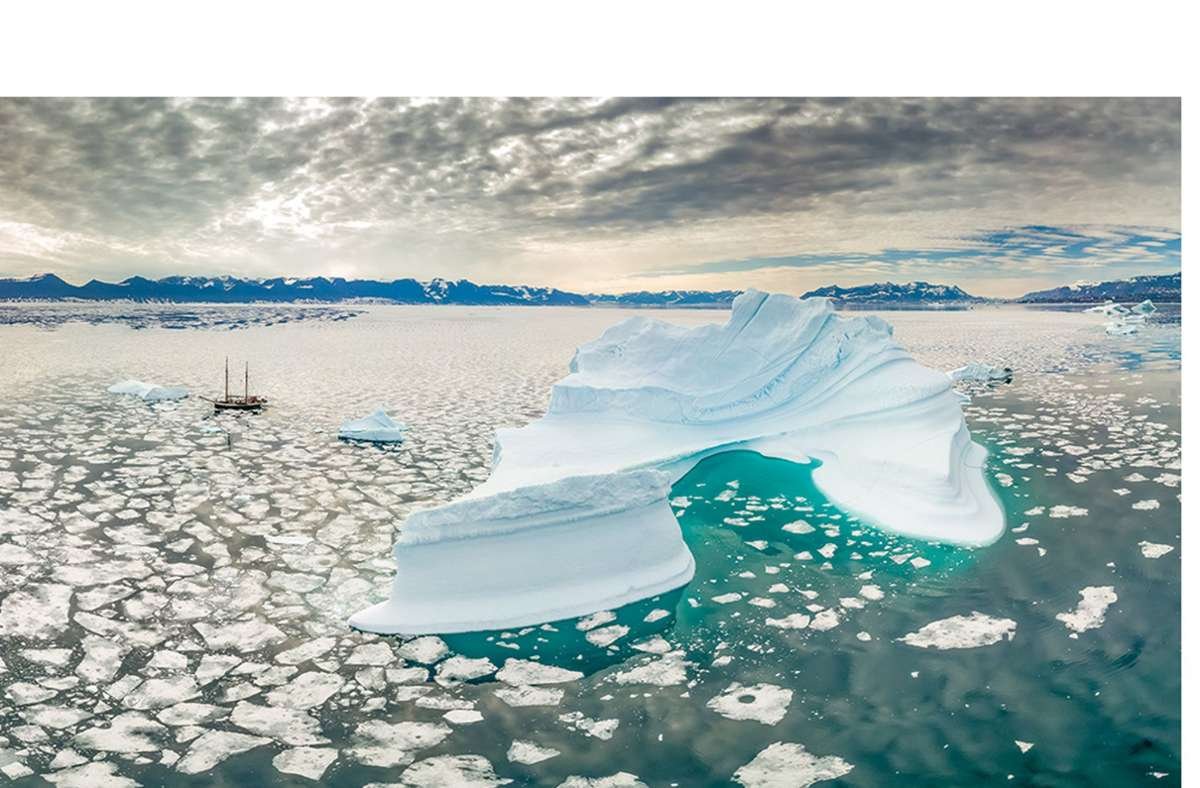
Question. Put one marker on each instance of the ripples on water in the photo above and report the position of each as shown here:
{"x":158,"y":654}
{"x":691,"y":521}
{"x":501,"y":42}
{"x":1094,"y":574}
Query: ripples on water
{"x":174,"y":586}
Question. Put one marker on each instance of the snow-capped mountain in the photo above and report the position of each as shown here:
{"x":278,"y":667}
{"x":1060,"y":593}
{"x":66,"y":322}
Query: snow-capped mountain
{"x":1164,"y":288}
{"x":666,"y":298}
{"x":915,"y":293}
{"x":226,"y":289}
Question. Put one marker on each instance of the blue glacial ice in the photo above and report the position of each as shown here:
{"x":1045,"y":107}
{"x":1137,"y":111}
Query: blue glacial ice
{"x":575,"y":518}
{"x":379,"y":427}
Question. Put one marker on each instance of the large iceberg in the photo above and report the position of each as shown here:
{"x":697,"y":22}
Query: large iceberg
{"x":575,"y":516}
{"x":379,"y":427}
{"x":150,"y":392}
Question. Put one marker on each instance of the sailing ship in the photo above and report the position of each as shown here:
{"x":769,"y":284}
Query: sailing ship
{"x":233,"y":402}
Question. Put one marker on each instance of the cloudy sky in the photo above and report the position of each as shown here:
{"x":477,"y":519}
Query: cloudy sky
{"x":998,"y":196}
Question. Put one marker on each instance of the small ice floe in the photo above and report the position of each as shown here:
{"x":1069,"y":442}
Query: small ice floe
{"x":1089,"y":614}
{"x":789,"y":765}
{"x":529,"y":753}
{"x":388,"y":745}
{"x":1152,"y":550}
{"x":978,"y":372}
{"x":791,"y":621}
{"x":970,"y":631}
{"x":1023,"y":746}
{"x":426,"y":650}
{"x":310,"y":762}
{"x":765,"y":703}
{"x":149,"y":392}
{"x":521,"y":696}
{"x":523,"y":672}
{"x":379,"y":427}
{"x":668,"y":670}
{"x":1146,"y":505}
{"x":467,"y":771}
{"x":1067,"y":511}
{"x":1121,"y":328}
{"x":1145,"y":308}
{"x":597,"y":729}
{"x":618,"y":780}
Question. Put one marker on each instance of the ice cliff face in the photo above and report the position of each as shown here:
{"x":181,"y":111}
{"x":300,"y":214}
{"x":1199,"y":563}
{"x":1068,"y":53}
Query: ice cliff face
{"x":574,"y":517}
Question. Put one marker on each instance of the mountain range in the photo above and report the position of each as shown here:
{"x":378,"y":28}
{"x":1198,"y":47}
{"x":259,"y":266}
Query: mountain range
{"x":227,"y":289}
{"x":1167,"y":287}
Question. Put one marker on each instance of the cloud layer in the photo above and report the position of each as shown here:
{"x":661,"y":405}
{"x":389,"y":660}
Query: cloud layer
{"x":581,"y":193}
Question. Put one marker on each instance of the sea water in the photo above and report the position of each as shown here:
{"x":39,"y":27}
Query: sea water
{"x":174,"y":586}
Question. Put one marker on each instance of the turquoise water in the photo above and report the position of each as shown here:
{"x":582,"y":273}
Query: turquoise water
{"x":154,"y":522}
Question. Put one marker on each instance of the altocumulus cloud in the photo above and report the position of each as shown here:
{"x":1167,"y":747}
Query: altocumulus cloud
{"x":586,"y":193}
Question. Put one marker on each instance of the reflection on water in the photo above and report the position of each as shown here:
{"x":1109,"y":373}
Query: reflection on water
{"x":174,"y":585}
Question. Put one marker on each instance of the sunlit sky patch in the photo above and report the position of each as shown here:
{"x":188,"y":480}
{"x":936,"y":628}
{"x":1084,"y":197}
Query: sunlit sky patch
{"x":998,"y":196}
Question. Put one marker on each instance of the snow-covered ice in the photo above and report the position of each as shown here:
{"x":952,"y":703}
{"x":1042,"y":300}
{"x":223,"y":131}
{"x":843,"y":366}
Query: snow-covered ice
{"x":788,"y":765}
{"x":576,"y":516}
{"x":979,"y":372}
{"x":970,"y":631}
{"x":1089,"y":613}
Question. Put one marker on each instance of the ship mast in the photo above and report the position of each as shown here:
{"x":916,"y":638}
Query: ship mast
{"x":227,"y":378}
{"x":247,"y":397}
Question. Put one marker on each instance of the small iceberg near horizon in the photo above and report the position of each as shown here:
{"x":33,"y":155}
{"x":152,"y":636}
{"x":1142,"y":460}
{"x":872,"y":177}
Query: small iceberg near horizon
{"x":978,"y":372}
{"x":575,"y":516}
{"x":149,"y":392}
{"x":378,"y":427}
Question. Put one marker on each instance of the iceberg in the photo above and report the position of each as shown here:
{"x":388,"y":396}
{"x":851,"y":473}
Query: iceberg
{"x":1145,"y":308}
{"x":575,"y":517}
{"x":378,"y":427}
{"x":1109,"y":309}
{"x":150,"y":392}
{"x":979,"y":372}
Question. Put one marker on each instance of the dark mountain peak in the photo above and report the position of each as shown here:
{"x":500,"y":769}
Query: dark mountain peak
{"x":1156,"y":287}
{"x":916,"y":293}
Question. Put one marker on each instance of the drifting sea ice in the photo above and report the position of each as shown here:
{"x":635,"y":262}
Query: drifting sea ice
{"x":971,"y":631}
{"x":1089,"y":614}
{"x":787,"y":765}
{"x":765,"y":703}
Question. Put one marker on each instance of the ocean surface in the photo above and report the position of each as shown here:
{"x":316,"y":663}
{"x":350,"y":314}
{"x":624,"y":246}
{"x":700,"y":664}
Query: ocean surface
{"x":174,"y":586}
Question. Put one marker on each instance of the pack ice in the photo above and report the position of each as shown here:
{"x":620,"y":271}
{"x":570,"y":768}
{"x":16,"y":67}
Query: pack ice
{"x":150,"y":392}
{"x":575,"y":516}
{"x":379,"y":427}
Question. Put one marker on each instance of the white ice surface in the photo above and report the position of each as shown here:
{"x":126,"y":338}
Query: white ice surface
{"x":379,"y":427}
{"x":575,"y":516}
{"x":979,"y":372}
{"x":150,"y":392}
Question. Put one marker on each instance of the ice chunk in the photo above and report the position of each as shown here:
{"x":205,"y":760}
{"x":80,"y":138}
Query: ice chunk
{"x":765,"y":703}
{"x":787,"y":765}
{"x":576,"y":515}
{"x":523,"y":672}
{"x":376,"y":428}
{"x":215,"y":746}
{"x":529,"y":753}
{"x":452,"y":771}
{"x":970,"y":631}
{"x":1145,"y":308}
{"x":150,"y":392}
{"x":1153,"y":550}
{"x":978,"y":372}
{"x":310,"y":762}
{"x":618,"y":780}
{"x":1089,"y":614}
